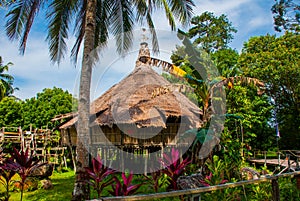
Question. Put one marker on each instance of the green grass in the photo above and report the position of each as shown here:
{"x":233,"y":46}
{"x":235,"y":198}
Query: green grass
{"x":63,"y":184}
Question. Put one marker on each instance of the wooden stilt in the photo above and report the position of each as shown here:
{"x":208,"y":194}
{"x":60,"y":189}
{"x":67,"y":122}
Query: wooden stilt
{"x":275,"y":190}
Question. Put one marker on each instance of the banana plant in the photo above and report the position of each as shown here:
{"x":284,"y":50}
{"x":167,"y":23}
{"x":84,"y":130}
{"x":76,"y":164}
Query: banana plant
{"x":205,"y":89}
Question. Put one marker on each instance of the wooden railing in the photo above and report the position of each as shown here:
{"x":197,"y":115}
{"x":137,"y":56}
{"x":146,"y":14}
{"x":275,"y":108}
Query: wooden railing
{"x":11,"y":134}
{"x":288,"y":159}
{"x":191,"y":194}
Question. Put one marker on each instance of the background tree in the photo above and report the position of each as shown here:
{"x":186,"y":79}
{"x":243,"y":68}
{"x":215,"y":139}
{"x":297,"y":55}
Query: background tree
{"x":6,"y":80}
{"x":286,"y":15}
{"x":276,"y":62}
{"x":226,"y":62}
{"x":38,"y":111}
{"x":211,"y":32}
{"x":10,"y":112}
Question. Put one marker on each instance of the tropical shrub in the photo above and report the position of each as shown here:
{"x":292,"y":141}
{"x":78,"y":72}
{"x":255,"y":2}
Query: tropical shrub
{"x":124,"y":187}
{"x":24,"y":164}
{"x":173,"y":167}
{"x":100,"y":176}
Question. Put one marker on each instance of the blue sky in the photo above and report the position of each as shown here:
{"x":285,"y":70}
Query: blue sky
{"x":34,"y":71}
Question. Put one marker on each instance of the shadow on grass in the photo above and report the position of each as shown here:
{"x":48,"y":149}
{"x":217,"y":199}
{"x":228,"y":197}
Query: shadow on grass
{"x":63,"y":184}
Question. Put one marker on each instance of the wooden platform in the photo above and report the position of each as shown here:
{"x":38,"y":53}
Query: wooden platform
{"x":275,"y":162}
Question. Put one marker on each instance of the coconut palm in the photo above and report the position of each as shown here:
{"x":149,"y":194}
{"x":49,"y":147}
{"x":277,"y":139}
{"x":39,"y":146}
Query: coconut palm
{"x":94,"y":20}
{"x":6,"y":80}
{"x":5,"y":3}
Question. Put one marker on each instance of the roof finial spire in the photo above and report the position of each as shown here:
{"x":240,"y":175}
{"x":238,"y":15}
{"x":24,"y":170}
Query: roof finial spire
{"x":144,"y":53}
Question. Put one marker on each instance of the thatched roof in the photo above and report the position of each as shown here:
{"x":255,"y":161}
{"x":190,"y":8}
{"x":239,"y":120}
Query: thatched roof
{"x":131,"y":101}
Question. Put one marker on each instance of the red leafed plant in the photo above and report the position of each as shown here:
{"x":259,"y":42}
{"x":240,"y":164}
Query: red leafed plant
{"x":99,"y":175}
{"x":173,"y":167}
{"x":125,"y":187}
{"x":6,"y":174}
{"x":24,"y":165}
{"x":209,"y":181}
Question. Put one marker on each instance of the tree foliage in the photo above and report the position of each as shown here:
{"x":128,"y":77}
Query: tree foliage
{"x":6,"y":80}
{"x":211,"y":32}
{"x":36,"y":111}
{"x":39,"y":110}
{"x":286,"y":15}
{"x":10,"y":112}
{"x":276,"y":62}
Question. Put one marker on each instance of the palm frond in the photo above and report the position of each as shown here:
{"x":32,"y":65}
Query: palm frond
{"x":244,"y":80}
{"x":33,"y":10}
{"x":79,"y":29}
{"x":20,"y":19}
{"x":6,"y":88}
{"x":60,"y":15}
{"x":102,"y":23}
{"x":144,"y":10}
{"x":3,"y":68}
{"x":2,"y":90}
{"x":141,"y":9}
{"x":6,"y":3}
{"x":7,"y":77}
{"x":121,"y":20}
{"x":16,"y":19}
{"x":183,"y":10}
{"x":155,"y":45}
{"x":169,"y":14}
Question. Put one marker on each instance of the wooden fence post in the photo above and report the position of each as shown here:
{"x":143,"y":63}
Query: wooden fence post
{"x":275,"y":190}
{"x":298,"y":181}
{"x":289,"y":161}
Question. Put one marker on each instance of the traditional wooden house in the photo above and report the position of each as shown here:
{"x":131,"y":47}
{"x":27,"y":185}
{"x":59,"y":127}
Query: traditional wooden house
{"x":132,"y":117}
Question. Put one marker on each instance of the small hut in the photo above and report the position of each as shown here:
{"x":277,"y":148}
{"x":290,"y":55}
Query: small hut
{"x":129,"y":116}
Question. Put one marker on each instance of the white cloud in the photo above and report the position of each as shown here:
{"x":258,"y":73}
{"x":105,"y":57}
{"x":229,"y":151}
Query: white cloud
{"x":220,"y":6}
{"x":257,"y":22}
{"x":33,"y":71}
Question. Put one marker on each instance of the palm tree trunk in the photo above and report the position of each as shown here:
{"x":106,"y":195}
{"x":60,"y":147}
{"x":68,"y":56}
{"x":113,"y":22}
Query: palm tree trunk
{"x":81,"y":188}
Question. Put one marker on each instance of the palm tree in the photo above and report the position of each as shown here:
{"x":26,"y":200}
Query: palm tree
{"x":94,"y":20}
{"x":6,"y":80}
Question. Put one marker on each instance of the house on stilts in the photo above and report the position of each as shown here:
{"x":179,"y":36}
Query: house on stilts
{"x":129,"y":120}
